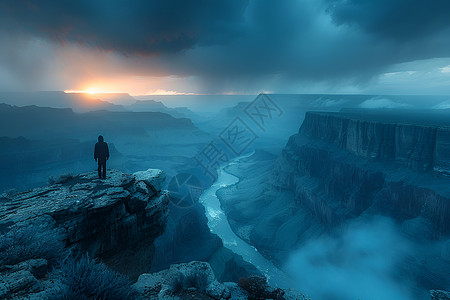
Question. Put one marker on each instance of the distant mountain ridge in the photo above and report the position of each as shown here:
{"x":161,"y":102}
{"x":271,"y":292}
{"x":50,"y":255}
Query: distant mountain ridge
{"x":44,"y":122}
{"x":158,"y":106}
{"x":77,"y":101}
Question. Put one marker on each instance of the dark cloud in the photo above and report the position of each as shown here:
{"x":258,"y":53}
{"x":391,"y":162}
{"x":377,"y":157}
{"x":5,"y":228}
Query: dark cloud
{"x":399,"y":19}
{"x":342,"y":41}
{"x":141,"y":26}
{"x":244,"y":46}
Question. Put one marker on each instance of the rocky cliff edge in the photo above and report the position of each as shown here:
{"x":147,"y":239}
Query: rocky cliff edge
{"x":116,"y":219}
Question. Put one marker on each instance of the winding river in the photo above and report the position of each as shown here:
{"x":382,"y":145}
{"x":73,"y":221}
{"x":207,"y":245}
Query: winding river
{"x":218,"y":224}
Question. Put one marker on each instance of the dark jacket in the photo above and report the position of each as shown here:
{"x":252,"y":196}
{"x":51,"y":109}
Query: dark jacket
{"x":101,"y":151}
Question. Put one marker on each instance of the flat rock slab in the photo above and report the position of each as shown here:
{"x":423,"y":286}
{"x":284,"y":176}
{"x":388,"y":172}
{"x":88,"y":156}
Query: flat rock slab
{"x":84,"y":191}
{"x":151,"y":177}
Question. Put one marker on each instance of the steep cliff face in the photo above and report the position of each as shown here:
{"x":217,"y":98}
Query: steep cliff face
{"x":116,"y":219}
{"x":340,"y":166}
{"x":418,"y":147}
{"x":187,"y":237}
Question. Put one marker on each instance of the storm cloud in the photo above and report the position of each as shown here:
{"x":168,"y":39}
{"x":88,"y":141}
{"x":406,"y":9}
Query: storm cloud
{"x":399,"y":19}
{"x":144,"y":27}
{"x":232,"y":45}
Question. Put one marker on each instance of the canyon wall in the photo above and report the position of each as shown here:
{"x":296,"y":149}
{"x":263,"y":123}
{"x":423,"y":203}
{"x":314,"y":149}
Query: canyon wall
{"x":418,"y":147}
{"x":343,"y":165}
{"x":351,"y":190}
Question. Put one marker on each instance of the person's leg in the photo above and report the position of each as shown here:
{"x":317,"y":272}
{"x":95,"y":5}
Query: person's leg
{"x":104,"y":169}
{"x":99,"y":170}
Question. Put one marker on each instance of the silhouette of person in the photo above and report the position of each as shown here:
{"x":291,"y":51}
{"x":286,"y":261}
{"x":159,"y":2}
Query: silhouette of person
{"x":101,"y":154}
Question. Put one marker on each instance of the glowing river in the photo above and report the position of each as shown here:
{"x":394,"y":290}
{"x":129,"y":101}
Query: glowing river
{"x":218,"y":224}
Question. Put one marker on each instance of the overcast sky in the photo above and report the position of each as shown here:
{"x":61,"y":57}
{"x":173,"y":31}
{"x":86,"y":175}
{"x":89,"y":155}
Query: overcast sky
{"x":226,"y":46}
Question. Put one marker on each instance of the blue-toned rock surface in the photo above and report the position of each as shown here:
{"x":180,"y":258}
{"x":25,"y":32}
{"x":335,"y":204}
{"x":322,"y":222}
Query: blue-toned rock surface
{"x":418,"y":145}
{"x":115,"y":219}
{"x":359,"y":163}
{"x":196,"y":280}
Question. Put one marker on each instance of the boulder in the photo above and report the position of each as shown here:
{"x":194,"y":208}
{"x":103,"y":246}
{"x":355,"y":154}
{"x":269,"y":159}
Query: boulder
{"x":196,"y":274}
{"x":153,"y":178}
{"x":218,"y":291}
{"x":38,"y":267}
{"x":20,"y":282}
{"x":236,"y":293}
{"x":195,"y":277}
{"x":196,"y":280}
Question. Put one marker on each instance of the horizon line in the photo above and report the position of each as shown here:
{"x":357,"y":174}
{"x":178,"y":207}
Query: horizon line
{"x":227,"y":94}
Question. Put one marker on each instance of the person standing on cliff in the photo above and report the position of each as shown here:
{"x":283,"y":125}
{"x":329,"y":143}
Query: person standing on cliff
{"x":101,"y":155}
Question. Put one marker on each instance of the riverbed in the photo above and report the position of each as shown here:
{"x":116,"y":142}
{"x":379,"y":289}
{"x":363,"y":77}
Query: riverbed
{"x":218,"y":224}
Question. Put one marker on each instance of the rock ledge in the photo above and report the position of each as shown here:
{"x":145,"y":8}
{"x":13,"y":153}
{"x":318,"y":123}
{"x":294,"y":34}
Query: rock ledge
{"x":116,"y":219}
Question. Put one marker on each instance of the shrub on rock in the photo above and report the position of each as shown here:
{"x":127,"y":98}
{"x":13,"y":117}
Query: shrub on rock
{"x":30,"y":242}
{"x":86,"y":278}
{"x":258,"y":289}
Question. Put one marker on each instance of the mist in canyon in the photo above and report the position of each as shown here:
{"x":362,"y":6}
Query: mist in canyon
{"x":363,"y":261}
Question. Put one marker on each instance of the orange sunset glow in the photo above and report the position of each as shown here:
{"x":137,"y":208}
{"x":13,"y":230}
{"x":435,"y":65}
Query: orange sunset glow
{"x":94,"y":90}
{"x":133,"y":85}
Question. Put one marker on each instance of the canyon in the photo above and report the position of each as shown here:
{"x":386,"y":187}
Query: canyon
{"x":346,"y":169}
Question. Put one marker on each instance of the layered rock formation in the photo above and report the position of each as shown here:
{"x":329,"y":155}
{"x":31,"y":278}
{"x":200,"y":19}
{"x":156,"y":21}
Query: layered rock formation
{"x":22,"y":279}
{"x":420,"y":147}
{"x":116,"y":219}
{"x":358,"y":163}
